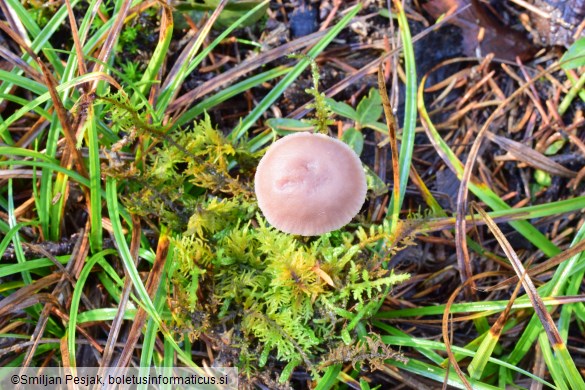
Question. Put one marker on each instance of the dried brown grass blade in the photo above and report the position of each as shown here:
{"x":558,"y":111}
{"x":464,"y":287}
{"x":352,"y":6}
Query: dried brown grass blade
{"x":246,"y":66}
{"x":134,"y":334}
{"x":184,"y":56}
{"x":65,"y":318}
{"x":530,"y":156}
{"x":151,"y":285}
{"x":11,"y":302}
{"x":111,"y":40}
{"x":33,"y":299}
{"x":461,"y":243}
{"x":446,"y":334}
{"x":37,"y":334}
{"x":463,"y":259}
{"x":18,"y":62}
{"x":539,"y":307}
{"x":498,"y":326}
{"x":536,"y":270}
{"x":116,"y":326}
{"x":392,"y":128}
{"x":76,"y":42}
{"x":51,"y":84}
{"x":80,"y":250}
{"x":68,"y":370}
{"x":60,"y":296}
{"x":14,"y":21}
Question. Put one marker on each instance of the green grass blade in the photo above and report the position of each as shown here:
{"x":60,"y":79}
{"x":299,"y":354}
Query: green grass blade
{"x":20,"y":258}
{"x":99,"y":36}
{"x":124,"y":253}
{"x":41,"y":37}
{"x":105,"y":314}
{"x":576,"y":88}
{"x":197,"y":60}
{"x":168,"y":357}
{"x":567,"y":311}
{"x":410,"y":112}
{"x":279,"y":89}
{"x":45,"y":97}
{"x":6,"y":241}
{"x":438,"y":374}
{"x":484,"y":352}
{"x":568,"y":367}
{"x":230,"y":92}
{"x":72,"y":174}
{"x":95,"y":175}
{"x":30,"y":265}
{"x":555,"y":287}
{"x":15,"y":151}
{"x":192,"y":61}
{"x":329,"y":379}
{"x":488,"y":308}
{"x":124,"y":250}
{"x":57,"y":208}
{"x":13,"y":79}
{"x":422,"y":343}
{"x":555,"y":370}
{"x":428,"y":353}
{"x":45,"y":201}
{"x":15,"y":99}
{"x":160,"y":303}
{"x":158,"y":57}
{"x":75,"y":298}
{"x":542,"y":210}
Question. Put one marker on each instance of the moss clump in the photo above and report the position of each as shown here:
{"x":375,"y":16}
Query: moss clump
{"x":259,"y":296}
{"x":282,"y":298}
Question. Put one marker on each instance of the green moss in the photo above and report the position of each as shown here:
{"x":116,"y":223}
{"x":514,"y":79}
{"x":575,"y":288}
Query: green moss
{"x":284,"y":298}
{"x":323,"y":113}
{"x":288,"y":297}
{"x":278,"y":299}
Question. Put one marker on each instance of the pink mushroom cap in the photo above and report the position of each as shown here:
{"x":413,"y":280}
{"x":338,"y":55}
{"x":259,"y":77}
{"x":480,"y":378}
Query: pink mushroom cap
{"x":310,"y":184}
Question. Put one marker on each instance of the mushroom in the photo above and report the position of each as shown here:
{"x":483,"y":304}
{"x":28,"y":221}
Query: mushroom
{"x":310,"y":184}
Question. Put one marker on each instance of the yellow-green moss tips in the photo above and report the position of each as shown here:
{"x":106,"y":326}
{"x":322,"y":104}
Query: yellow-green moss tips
{"x":310,"y":184}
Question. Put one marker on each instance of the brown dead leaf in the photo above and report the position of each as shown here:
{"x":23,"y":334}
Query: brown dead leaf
{"x":499,"y":39}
